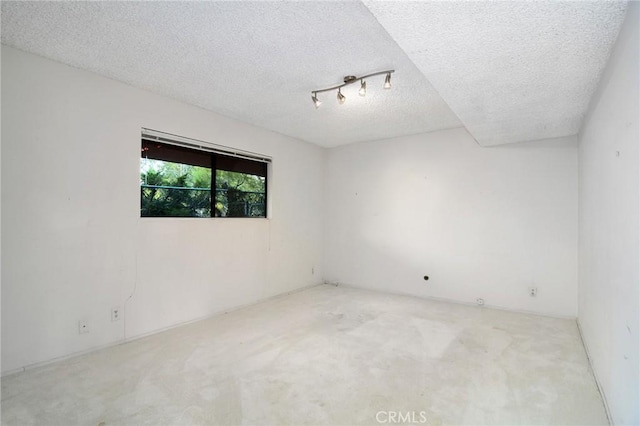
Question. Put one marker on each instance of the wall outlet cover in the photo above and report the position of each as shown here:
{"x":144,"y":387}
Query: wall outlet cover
{"x":115,"y":313}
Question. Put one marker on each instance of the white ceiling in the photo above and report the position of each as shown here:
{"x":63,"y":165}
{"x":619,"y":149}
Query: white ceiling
{"x":511,"y":71}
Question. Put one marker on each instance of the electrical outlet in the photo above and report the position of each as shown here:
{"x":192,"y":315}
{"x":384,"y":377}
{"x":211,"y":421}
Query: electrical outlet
{"x":83,"y":327}
{"x":533,"y":291}
{"x":480,"y":302}
{"x":115,"y":313}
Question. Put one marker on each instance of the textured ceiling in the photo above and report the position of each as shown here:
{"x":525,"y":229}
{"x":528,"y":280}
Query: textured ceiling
{"x":512,"y":71}
{"x":254,"y":61}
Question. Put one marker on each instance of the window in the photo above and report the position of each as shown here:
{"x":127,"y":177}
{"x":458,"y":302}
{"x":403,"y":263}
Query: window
{"x":177,"y":180}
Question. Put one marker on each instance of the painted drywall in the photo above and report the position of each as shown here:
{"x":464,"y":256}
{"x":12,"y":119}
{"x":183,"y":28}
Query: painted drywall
{"x":480,"y":222}
{"x":73,"y":243}
{"x":609,"y":248}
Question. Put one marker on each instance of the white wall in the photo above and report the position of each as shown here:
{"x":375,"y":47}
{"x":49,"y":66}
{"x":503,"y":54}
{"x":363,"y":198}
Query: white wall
{"x":480,"y":222}
{"x":73,"y":243}
{"x":609,"y":250}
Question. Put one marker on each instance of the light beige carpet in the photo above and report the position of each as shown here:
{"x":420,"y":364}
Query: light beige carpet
{"x":325,"y":356}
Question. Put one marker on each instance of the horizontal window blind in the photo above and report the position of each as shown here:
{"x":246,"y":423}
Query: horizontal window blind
{"x":149,"y":135}
{"x":174,"y":153}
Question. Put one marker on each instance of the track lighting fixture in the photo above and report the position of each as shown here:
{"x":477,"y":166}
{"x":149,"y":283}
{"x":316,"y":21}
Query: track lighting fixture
{"x":387,"y":81}
{"x":350,"y":79}
{"x":315,"y":100}
{"x":363,"y":88}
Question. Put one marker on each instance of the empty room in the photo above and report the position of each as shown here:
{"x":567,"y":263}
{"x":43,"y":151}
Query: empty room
{"x":320,"y":213}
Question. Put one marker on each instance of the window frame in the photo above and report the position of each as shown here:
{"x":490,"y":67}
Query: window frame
{"x":215,"y":152}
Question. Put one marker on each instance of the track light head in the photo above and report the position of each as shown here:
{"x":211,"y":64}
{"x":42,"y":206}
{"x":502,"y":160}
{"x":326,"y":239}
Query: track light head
{"x":363,"y":88}
{"x":341,"y":97}
{"x":316,"y":101}
{"x":387,"y":81}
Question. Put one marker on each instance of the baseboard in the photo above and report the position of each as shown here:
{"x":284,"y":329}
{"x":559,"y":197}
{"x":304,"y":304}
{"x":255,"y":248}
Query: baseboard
{"x":217,"y":313}
{"x":157,"y":331}
{"x":455,"y":301}
{"x":593,"y":371}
